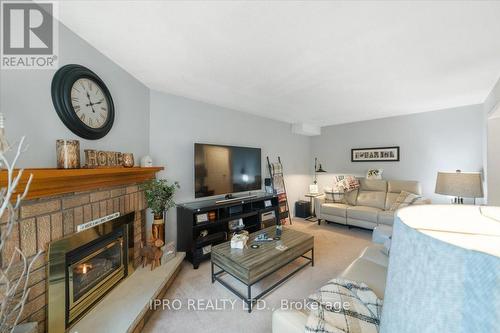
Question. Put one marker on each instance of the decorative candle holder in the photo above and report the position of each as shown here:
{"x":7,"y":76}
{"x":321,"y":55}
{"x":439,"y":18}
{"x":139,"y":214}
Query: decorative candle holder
{"x":128,"y":160}
{"x":68,"y":154}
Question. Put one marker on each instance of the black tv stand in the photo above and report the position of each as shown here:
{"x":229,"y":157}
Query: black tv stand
{"x":202,"y":224}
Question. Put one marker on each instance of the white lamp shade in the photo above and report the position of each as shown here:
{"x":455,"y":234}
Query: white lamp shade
{"x":444,"y":270}
{"x":460,"y":184}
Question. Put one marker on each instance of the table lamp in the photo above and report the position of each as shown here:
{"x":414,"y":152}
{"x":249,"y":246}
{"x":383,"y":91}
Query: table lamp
{"x":444,"y":270}
{"x":460,"y":185}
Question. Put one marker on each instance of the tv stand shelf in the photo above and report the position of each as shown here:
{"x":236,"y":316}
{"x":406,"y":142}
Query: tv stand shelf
{"x":201,"y":224}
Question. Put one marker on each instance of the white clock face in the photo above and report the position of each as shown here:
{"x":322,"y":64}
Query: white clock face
{"x":89,"y":103}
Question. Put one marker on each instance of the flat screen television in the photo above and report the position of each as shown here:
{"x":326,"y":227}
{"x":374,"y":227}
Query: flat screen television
{"x":226,"y":169}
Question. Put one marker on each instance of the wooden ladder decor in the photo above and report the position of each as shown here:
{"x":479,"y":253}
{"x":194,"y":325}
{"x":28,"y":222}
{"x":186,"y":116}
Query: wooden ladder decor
{"x":278,"y":184}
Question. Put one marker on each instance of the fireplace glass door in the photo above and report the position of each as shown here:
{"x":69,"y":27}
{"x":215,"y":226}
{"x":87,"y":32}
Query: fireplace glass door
{"x":91,"y":275}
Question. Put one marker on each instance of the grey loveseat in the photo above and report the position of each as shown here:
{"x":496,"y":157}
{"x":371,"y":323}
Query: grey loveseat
{"x":369,"y":205}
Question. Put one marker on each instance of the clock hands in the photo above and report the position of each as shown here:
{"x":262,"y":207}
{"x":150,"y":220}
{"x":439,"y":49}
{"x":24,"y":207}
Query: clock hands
{"x":90,"y":104}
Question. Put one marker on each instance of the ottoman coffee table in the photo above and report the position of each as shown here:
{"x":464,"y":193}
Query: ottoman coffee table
{"x":250,"y":265}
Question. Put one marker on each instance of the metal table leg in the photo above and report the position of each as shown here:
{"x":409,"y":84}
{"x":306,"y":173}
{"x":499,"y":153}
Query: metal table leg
{"x":312,"y":218}
{"x":250,"y":303}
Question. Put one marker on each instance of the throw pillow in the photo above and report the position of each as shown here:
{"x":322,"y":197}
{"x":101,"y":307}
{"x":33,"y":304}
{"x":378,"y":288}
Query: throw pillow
{"x":344,"y":306}
{"x":333,"y":195}
{"x":348,"y":184}
{"x":351,"y":198}
{"x":404,"y":199}
{"x":336,"y":180}
{"x":328,"y":194}
{"x":374,"y":174}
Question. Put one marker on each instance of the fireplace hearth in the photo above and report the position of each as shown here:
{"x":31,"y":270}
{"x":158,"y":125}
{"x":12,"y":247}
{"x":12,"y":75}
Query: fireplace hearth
{"x":84,"y":267}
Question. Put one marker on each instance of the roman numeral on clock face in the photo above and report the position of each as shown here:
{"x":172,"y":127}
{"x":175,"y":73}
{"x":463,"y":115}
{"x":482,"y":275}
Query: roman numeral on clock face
{"x":89,"y":103}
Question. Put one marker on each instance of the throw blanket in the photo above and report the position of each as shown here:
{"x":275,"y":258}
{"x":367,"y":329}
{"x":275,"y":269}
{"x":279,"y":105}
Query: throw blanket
{"x":343,"y":306}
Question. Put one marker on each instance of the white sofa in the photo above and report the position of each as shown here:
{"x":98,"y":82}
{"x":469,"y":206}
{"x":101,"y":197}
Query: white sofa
{"x":370,"y":267}
{"x":367,"y":206}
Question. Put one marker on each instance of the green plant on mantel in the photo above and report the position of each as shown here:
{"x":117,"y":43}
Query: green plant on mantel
{"x":159,"y":195}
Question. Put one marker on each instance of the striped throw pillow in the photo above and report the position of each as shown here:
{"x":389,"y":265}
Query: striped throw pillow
{"x":404,"y":199}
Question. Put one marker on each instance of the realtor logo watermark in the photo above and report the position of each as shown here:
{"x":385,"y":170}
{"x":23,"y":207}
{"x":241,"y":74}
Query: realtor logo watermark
{"x":29,"y":33}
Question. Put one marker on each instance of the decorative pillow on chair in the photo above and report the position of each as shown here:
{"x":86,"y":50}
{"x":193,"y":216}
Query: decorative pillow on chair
{"x":404,"y":199}
{"x":374,"y":174}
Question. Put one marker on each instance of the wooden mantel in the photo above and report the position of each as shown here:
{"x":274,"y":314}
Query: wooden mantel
{"x":51,"y":182}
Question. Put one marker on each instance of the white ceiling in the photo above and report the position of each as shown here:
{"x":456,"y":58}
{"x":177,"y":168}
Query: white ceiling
{"x":315,"y":62}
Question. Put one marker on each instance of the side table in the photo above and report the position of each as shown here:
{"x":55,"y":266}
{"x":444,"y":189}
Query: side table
{"x":311,"y":197}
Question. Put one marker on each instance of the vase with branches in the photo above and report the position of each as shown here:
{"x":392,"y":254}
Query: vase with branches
{"x":159,"y":197}
{"x":14,"y":289}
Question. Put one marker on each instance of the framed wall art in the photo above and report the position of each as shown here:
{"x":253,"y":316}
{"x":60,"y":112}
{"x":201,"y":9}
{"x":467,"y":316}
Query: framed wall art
{"x":380,"y":154}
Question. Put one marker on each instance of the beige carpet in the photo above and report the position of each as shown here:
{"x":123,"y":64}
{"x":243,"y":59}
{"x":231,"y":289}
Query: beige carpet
{"x":335,"y":248}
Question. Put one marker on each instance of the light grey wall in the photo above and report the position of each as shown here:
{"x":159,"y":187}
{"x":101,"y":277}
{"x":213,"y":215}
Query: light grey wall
{"x":430,"y":142}
{"x":493,"y":98}
{"x":493,"y":145}
{"x":177,"y":123}
{"x":494,"y":162}
{"x":25,"y":99}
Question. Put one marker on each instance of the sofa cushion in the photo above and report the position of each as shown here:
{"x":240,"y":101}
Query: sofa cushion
{"x":364,"y":213}
{"x":372,"y":185}
{"x":367,"y":271}
{"x":390,"y":199}
{"x":396,"y":186}
{"x":335,"y":209}
{"x":351,"y":197}
{"x":386,"y":217}
{"x":372,"y":199}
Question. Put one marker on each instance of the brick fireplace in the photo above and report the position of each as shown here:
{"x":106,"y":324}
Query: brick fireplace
{"x":51,"y":213}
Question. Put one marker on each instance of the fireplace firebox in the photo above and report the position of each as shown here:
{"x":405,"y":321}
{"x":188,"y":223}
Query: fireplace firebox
{"x":83,"y":267}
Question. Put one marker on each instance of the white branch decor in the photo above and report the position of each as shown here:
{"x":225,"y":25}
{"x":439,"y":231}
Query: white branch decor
{"x":14,"y":290}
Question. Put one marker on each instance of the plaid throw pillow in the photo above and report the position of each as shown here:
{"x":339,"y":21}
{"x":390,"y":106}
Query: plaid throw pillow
{"x":403,"y":200}
{"x":348,"y":184}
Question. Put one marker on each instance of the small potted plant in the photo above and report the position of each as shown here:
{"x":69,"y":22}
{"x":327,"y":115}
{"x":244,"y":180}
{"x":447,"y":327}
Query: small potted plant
{"x":159,"y":196}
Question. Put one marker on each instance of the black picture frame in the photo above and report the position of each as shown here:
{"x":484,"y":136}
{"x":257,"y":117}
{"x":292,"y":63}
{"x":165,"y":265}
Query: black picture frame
{"x":379,"y":154}
{"x":62,"y":84}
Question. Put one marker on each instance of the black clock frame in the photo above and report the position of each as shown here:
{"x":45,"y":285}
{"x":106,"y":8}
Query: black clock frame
{"x":62,"y":83}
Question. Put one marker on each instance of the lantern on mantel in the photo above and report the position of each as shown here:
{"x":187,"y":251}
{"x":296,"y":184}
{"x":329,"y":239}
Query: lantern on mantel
{"x":68,"y":154}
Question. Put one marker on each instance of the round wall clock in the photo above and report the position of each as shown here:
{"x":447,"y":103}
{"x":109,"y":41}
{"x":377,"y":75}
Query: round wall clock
{"x":83,"y":102}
